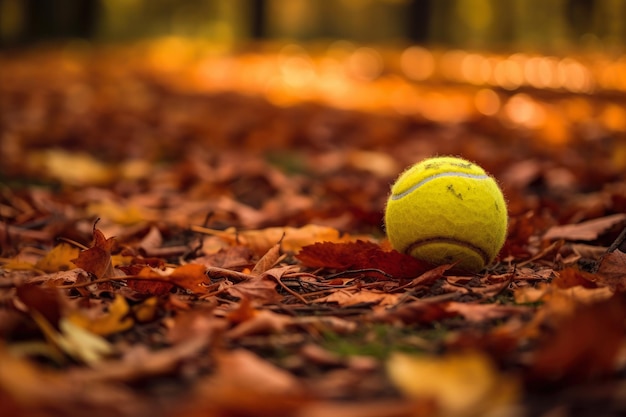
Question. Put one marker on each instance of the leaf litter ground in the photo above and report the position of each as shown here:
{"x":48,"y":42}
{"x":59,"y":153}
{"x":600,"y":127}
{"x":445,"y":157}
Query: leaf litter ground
{"x":177,"y":253}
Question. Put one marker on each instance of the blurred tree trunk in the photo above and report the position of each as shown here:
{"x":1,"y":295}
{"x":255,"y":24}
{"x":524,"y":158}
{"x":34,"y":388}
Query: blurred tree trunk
{"x":59,"y":19}
{"x":419,"y":16}
{"x":257,"y":19}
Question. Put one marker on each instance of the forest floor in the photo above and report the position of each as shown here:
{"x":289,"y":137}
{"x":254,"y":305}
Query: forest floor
{"x":170,"y":250}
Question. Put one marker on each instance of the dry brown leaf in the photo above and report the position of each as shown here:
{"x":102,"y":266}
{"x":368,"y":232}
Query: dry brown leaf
{"x":189,"y":324}
{"x":46,"y":301}
{"x":267,"y":261}
{"x":36,"y":391}
{"x":422,"y":312}
{"x":262,"y":322}
{"x":565,"y":296}
{"x":583,"y":344}
{"x":483,"y":312}
{"x":612,"y":271}
{"x":246,"y":385}
{"x":429,"y":277}
{"x":353,"y":297}
{"x":152,"y":239}
{"x":258,"y":289}
{"x":587,"y":230}
{"x":97,"y":259}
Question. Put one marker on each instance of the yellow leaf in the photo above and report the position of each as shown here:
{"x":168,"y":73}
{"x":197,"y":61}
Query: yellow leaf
{"x":73,"y":168}
{"x":16,"y":264}
{"x":117,"y":260}
{"x":462,"y":385}
{"x":116,"y":320}
{"x":82,"y":344}
{"x":73,"y":340}
{"x":116,"y":212}
{"x":146,"y":311}
{"x":59,"y":258}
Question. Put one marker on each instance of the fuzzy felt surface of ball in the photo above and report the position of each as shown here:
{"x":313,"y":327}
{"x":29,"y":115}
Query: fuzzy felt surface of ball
{"x":447,"y":210}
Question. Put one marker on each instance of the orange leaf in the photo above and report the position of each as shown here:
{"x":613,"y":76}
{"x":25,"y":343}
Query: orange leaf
{"x":572,"y":277}
{"x":191,"y":277}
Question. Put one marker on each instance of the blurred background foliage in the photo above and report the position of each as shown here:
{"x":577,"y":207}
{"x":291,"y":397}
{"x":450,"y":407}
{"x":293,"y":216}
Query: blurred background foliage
{"x":546,"y":26}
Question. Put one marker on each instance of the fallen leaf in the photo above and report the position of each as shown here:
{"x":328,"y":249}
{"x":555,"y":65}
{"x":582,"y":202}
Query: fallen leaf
{"x":420,"y":311}
{"x":59,"y":258}
{"x":462,"y":384}
{"x":43,"y":300}
{"x":582,"y":345}
{"x":72,"y":168}
{"x":612,"y":271}
{"x":37,"y":391}
{"x":97,"y":259}
{"x":346,"y":298}
{"x":292,"y":239}
{"x":588,"y":230}
{"x":152,"y":239}
{"x":477,"y":313}
{"x":267,"y":261}
{"x":429,"y":277}
{"x":189,"y":324}
{"x":191,"y":277}
{"x":258,"y":289}
{"x":117,"y":212}
{"x":578,"y":294}
{"x":572,"y":277}
{"x":117,"y":319}
{"x":150,"y":286}
{"x":82,"y":344}
{"x":361,"y":255}
{"x":244,"y":384}
{"x":261,"y":322}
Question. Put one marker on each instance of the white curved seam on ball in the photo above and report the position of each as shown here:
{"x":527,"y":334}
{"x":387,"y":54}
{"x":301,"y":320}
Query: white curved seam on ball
{"x":453,"y":241}
{"x":434,"y":177}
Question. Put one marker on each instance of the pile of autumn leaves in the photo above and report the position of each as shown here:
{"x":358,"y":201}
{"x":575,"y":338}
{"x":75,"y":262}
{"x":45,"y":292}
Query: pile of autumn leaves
{"x":203,"y":314}
{"x":159,"y":316}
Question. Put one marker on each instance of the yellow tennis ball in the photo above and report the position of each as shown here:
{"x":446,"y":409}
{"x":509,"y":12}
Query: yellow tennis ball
{"x":447,"y":210}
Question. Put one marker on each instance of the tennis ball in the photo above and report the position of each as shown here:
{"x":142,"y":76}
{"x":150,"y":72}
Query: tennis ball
{"x":447,"y":210}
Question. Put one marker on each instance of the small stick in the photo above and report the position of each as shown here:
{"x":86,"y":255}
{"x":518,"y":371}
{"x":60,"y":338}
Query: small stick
{"x":618,"y":242}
